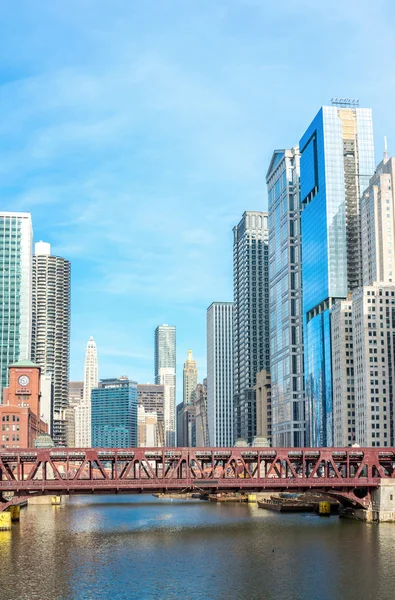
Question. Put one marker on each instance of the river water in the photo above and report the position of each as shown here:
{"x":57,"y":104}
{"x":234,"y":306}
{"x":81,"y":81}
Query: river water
{"x":113,"y":547}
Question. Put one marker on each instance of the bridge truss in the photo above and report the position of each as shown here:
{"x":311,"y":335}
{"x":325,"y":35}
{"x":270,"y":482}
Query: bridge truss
{"x":349,"y":473}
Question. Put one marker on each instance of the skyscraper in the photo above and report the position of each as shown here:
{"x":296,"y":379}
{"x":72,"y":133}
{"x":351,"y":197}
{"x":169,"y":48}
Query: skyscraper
{"x":114,"y":414}
{"x":16,"y":238}
{"x":201,"y":436}
{"x":190,"y":379}
{"x":337,"y":160}
{"x":152,"y":398}
{"x":378,"y":224}
{"x":165,"y":374}
{"x":285,"y":304}
{"x":51,"y":329}
{"x":83,"y":409}
{"x":220,"y":373}
{"x":251,"y":317}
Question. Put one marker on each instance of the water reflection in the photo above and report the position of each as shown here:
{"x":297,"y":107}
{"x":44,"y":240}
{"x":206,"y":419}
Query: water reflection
{"x":142,"y":547}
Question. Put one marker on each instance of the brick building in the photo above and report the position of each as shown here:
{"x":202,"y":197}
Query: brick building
{"x":20,"y":418}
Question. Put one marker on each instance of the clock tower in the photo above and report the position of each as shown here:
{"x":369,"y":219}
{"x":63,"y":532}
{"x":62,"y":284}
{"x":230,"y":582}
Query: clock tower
{"x":20,"y":415}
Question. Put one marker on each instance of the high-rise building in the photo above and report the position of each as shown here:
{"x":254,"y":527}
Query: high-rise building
{"x":16,"y":238}
{"x":337,"y":161}
{"x":190,"y":379}
{"x":152,"y":397}
{"x":83,"y":436}
{"x":343,"y":377}
{"x":201,"y":436}
{"x":114,"y":414}
{"x":378,"y":224}
{"x":250,"y":316}
{"x":51,"y":329}
{"x":165,"y":374}
{"x":220,"y":415}
{"x":373,"y":323}
{"x":285,"y":300}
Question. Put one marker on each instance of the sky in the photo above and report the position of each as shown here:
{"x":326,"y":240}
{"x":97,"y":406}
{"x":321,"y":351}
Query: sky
{"x":137,"y":132}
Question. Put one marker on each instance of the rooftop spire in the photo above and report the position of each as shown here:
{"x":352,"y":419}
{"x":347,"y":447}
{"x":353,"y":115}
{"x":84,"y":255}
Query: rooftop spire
{"x":385,"y":155}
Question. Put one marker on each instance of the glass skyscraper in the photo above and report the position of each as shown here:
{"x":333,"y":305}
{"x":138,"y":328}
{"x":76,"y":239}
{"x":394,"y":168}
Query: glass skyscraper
{"x":16,"y":238}
{"x":250,"y":317}
{"x":337,"y":160}
{"x":165,"y":374}
{"x":285,"y":302}
{"x":114,"y":414}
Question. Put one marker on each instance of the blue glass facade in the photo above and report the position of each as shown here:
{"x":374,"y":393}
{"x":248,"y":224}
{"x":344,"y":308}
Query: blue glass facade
{"x":337,"y":157}
{"x":114,"y":414}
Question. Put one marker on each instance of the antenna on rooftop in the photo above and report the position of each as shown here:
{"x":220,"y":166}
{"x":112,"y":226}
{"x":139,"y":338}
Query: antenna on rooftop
{"x":385,"y":155}
{"x":345,"y":102}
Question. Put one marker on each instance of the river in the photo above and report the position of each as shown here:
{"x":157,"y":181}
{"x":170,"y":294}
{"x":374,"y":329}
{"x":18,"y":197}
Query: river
{"x":121,"y":547}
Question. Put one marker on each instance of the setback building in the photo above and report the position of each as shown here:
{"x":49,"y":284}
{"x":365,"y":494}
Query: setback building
{"x":337,"y":161}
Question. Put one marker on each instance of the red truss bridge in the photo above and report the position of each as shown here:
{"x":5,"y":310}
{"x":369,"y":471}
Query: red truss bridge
{"x":350,"y":474}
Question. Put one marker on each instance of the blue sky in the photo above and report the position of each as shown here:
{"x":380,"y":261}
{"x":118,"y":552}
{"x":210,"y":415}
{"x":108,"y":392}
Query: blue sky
{"x":137,"y":133}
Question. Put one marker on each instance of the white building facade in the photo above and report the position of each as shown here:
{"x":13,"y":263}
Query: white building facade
{"x":220,"y":373}
{"x":378,"y":225}
{"x":83,"y":428}
{"x":51,"y":329}
{"x":343,"y":377}
{"x":374,"y":364}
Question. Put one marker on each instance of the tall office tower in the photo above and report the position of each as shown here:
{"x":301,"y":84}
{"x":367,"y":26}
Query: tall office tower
{"x":83,"y":430}
{"x":374,"y":363}
{"x":201,"y":435}
{"x":152,"y":397}
{"x":378,"y":224}
{"x":251,"y":316}
{"x":343,"y":374}
{"x":220,"y":373}
{"x":114,"y":414}
{"x":16,"y":235}
{"x":51,"y":329}
{"x":337,"y":161}
{"x":285,"y":300}
{"x":165,"y":374}
{"x":190,"y":379}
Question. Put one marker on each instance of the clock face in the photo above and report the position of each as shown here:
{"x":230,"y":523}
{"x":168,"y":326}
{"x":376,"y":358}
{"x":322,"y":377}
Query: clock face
{"x":23,"y":380}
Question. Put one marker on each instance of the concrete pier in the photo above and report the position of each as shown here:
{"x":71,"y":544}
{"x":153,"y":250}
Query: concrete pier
{"x":5,"y":521}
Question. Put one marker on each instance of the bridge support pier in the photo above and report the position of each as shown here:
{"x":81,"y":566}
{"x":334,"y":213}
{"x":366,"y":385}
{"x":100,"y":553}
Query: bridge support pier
{"x":15,"y":512}
{"x":383,"y":502}
{"x":5,"y":521}
{"x":381,"y":508}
